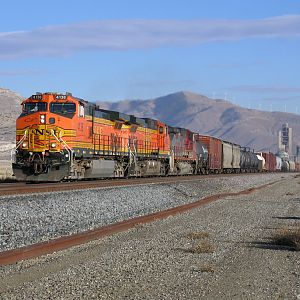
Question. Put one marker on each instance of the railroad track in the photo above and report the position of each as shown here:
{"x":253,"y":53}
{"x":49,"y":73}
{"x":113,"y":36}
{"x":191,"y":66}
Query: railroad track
{"x":61,"y":243}
{"x":31,"y":188}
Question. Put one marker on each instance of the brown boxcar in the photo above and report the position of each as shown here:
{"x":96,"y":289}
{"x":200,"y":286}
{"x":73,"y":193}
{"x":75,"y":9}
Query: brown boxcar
{"x":297,"y":166}
{"x":214,"y":148}
{"x":272,"y":162}
{"x":270,"y":158}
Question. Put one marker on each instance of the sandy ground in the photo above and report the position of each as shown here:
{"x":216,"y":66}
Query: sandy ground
{"x":223,"y":250}
{"x":5,"y":169}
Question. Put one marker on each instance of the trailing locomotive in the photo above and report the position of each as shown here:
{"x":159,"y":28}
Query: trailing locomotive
{"x":59,"y":136}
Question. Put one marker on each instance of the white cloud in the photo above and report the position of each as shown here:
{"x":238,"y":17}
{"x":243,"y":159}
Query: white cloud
{"x":138,"y":34}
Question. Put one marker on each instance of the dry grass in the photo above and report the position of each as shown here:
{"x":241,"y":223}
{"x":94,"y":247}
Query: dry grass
{"x":289,"y":194}
{"x":288,"y":237}
{"x":206,"y":269}
{"x":198,"y":235}
{"x":280,"y":297}
{"x":202,"y":247}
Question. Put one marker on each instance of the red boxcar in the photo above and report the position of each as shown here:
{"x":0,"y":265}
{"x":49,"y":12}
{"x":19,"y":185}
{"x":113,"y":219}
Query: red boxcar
{"x":214,"y":148}
{"x":270,"y":158}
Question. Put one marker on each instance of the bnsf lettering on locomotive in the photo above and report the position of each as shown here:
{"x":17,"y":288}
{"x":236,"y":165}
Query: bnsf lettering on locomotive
{"x":39,"y":131}
{"x":44,"y":131}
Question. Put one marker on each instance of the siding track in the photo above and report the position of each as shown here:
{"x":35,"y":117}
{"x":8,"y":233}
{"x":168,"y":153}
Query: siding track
{"x":57,"y":244}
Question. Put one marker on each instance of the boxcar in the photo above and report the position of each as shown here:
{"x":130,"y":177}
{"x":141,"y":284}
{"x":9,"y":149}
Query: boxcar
{"x":270,"y":159}
{"x":214,"y":148}
{"x":272,"y":164}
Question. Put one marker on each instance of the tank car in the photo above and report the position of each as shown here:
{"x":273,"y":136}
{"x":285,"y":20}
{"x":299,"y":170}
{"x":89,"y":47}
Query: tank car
{"x":278,"y":163}
{"x":285,"y":167}
{"x":261,"y":162}
{"x":249,"y":161}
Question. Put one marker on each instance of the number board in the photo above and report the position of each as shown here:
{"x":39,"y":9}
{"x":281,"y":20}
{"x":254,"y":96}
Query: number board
{"x":36,"y":97}
{"x":60,"y":97}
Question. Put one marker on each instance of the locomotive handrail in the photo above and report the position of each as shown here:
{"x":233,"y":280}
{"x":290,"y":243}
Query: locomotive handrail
{"x":14,"y":150}
{"x":67,"y":147}
{"x":132,"y":154}
{"x":21,"y":140}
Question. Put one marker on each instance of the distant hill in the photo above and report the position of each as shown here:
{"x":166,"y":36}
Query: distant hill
{"x":10,"y":109}
{"x":219,"y":118}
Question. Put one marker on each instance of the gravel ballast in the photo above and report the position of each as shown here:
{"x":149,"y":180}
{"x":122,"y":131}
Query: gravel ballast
{"x":220,"y":251}
{"x":28,"y":219}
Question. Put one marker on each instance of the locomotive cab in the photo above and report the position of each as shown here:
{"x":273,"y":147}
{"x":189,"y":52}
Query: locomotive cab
{"x":44,"y":137}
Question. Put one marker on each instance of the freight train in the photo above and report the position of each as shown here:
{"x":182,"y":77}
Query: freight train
{"x":61,"y":137}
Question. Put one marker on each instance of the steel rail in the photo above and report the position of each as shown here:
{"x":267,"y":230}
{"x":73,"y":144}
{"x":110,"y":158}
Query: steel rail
{"x":61,"y":243}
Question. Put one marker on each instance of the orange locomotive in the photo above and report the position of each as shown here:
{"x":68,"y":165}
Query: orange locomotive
{"x":63,"y":137}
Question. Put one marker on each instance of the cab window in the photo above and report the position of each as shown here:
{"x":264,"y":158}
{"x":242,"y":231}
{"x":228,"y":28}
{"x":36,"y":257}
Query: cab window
{"x":32,"y":107}
{"x":63,"y":108}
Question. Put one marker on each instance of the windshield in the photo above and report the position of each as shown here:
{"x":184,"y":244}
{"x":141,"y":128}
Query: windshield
{"x":63,"y":108}
{"x":32,"y":107}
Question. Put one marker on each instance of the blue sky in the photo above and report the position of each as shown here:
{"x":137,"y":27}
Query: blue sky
{"x":243,"y":51}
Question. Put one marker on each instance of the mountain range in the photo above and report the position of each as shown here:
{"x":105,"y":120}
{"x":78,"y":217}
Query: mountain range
{"x":216,"y":117}
{"x":248,"y":127}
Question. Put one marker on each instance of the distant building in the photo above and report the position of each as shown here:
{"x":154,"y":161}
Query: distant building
{"x":285,"y":139}
{"x":297,"y":154}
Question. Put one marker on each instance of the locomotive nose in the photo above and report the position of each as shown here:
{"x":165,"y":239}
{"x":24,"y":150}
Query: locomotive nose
{"x":41,"y":138}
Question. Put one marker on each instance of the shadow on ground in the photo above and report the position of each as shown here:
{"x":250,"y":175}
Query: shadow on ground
{"x":287,"y":218}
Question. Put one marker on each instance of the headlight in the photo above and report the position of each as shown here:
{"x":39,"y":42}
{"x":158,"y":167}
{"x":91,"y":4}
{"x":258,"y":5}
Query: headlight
{"x":53,"y":145}
{"x":24,"y":145}
{"x":42,"y":119}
